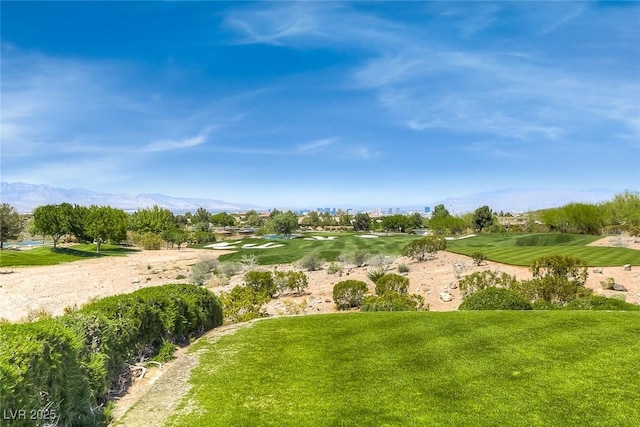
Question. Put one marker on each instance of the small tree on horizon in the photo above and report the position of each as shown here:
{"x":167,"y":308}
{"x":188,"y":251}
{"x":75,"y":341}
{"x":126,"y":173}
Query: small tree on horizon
{"x":10,"y":223}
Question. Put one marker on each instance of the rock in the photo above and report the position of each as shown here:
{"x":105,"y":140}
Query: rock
{"x":445,"y":296}
{"x":627,"y":267}
{"x":597,"y":270}
{"x":619,"y":288}
{"x":327,"y":300}
{"x":453,"y":285}
{"x":134,"y":281}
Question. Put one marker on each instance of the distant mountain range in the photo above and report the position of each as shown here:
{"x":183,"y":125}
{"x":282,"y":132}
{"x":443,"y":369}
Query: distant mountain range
{"x":26,"y":197}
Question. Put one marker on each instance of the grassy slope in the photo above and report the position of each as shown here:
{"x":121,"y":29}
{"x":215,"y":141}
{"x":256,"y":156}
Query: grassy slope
{"x":523,"y":249}
{"x":489,"y":368}
{"x":47,"y":256}
{"x":294,"y":249}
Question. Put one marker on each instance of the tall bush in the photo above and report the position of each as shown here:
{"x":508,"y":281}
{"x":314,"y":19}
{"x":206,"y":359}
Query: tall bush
{"x":349,"y":293}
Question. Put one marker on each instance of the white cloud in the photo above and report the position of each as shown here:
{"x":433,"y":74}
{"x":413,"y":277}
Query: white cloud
{"x":315,"y":145}
{"x":177,"y":144}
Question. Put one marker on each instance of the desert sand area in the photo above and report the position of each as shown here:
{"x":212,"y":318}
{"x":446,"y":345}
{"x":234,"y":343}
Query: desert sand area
{"x":25,"y":290}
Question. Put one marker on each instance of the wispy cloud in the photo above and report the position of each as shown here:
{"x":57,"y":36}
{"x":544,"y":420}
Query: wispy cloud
{"x":316,"y":145}
{"x":562,"y":21}
{"x":177,"y":144}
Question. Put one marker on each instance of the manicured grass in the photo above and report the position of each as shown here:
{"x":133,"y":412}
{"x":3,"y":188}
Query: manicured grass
{"x":523,"y":249}
{"x":47,"y":256}
{"x":329,"y":250}
{"x":421,"y":369}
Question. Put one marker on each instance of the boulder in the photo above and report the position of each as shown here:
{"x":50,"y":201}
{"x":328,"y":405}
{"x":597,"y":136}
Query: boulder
{"x":618,"y":287}
{"x":453,"y":285}
{"x":627,"y":267}
{"x":445,"y":296}
{"x":597,"y":270}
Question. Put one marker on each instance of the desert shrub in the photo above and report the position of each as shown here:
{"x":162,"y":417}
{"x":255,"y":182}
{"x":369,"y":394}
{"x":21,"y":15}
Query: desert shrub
{"x":242,"y":304}
{"x":310,"y":262}
{"x":480,"y":280}
{"x":403,"y":268}
{"x":201,"y":272}
{"x":349,"y":293}
{"x":478,"y":258}
{"x":374,"y":274}
{"x":228,"y":268}
{"x":608,"y":283}
{"x":249,"y":261}
{"x":495,"y":299}
{"x":150,"y":241}
{"x":380,"y":261}
{"x":357,"y":258}
{"x":218,"y":280}
{"x":555,"y":290}
{"x":393,"y":301}
{"x":392,"y":283}
{"x":261,"y":282}
{"x":290,"y":281}
{"x":425,"y":247}
{"x":334,"y":268}
{"x":597,"y":302}
{"x":572,"y":269}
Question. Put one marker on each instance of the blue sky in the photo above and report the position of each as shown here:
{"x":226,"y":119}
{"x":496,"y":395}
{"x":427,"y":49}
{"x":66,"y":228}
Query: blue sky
{"x":321,"y":103}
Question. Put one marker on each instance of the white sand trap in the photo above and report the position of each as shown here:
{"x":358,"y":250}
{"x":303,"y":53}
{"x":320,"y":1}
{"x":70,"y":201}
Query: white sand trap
{"x":323,"y":238}
{"x":309,"y":238}
{"x":265,"y":246}
{"x":223,"y":245}
{"x":461,"y":237}
{"x":368,"y":236}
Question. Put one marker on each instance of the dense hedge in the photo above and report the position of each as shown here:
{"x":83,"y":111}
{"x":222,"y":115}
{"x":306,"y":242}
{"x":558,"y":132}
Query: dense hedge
{"x":72,"y":360}
{"x":495,"y":299}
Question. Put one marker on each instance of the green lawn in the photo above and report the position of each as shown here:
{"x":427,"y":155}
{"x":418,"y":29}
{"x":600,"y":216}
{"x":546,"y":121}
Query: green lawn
{"x":47,"y":256}
{"x":523,"y":249}
{"x":421,"y":369}
{"x":295,"y":249}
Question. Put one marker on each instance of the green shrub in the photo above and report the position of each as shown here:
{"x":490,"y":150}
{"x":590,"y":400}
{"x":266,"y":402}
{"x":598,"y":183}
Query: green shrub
{"x":38,"y":358}
{"x":229,"y":268}
{"x":374,"y":274}
{"x":261,"y":282}
{"x":403,"y":268}
{"x":292,"y":281}
{"x":543,"y":305}
{"x":478,"y":258}
{"x":495,"y":299}
{"x":425,"y":247}
{"x":552,"y":289}
{"x":349,"y":293}
{"x":393,"y":301}
{"x":569,"y":268}
{"x":310,"y":262}
{"x":480,"y":280}
{"x":392,"y":283}
{"x":608,"y":283}
{"x":597,"y":302}
{"x":150,"y":241}
{"x":242,"y":304}
{"x":334,"y":268}
{"x":74,"y":359}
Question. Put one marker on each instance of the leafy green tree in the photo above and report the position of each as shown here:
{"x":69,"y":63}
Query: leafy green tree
{"x":399,"y":223}
{"x":624,"y":209}
{"x":482,"y":218}
{"x":424,"y":247}
{"x":105,"y":223}
{"x":439,"y":211}
{"x":326,"y":220}
{"x":362,"y":222}
{"x":283,"y":224}
{"x":223,"y":219}
{"x":10,"y":223}
{"x":344,"y":219}
{"x":312,"y":219}
{"x":202,"y":215}
{"x":415,"y":220}
{"x":52,"y":220}
{"x":154,"y":220}
{"x":174,"y":237}
{"x":253,"y":219}
{"x":77,"y":222}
